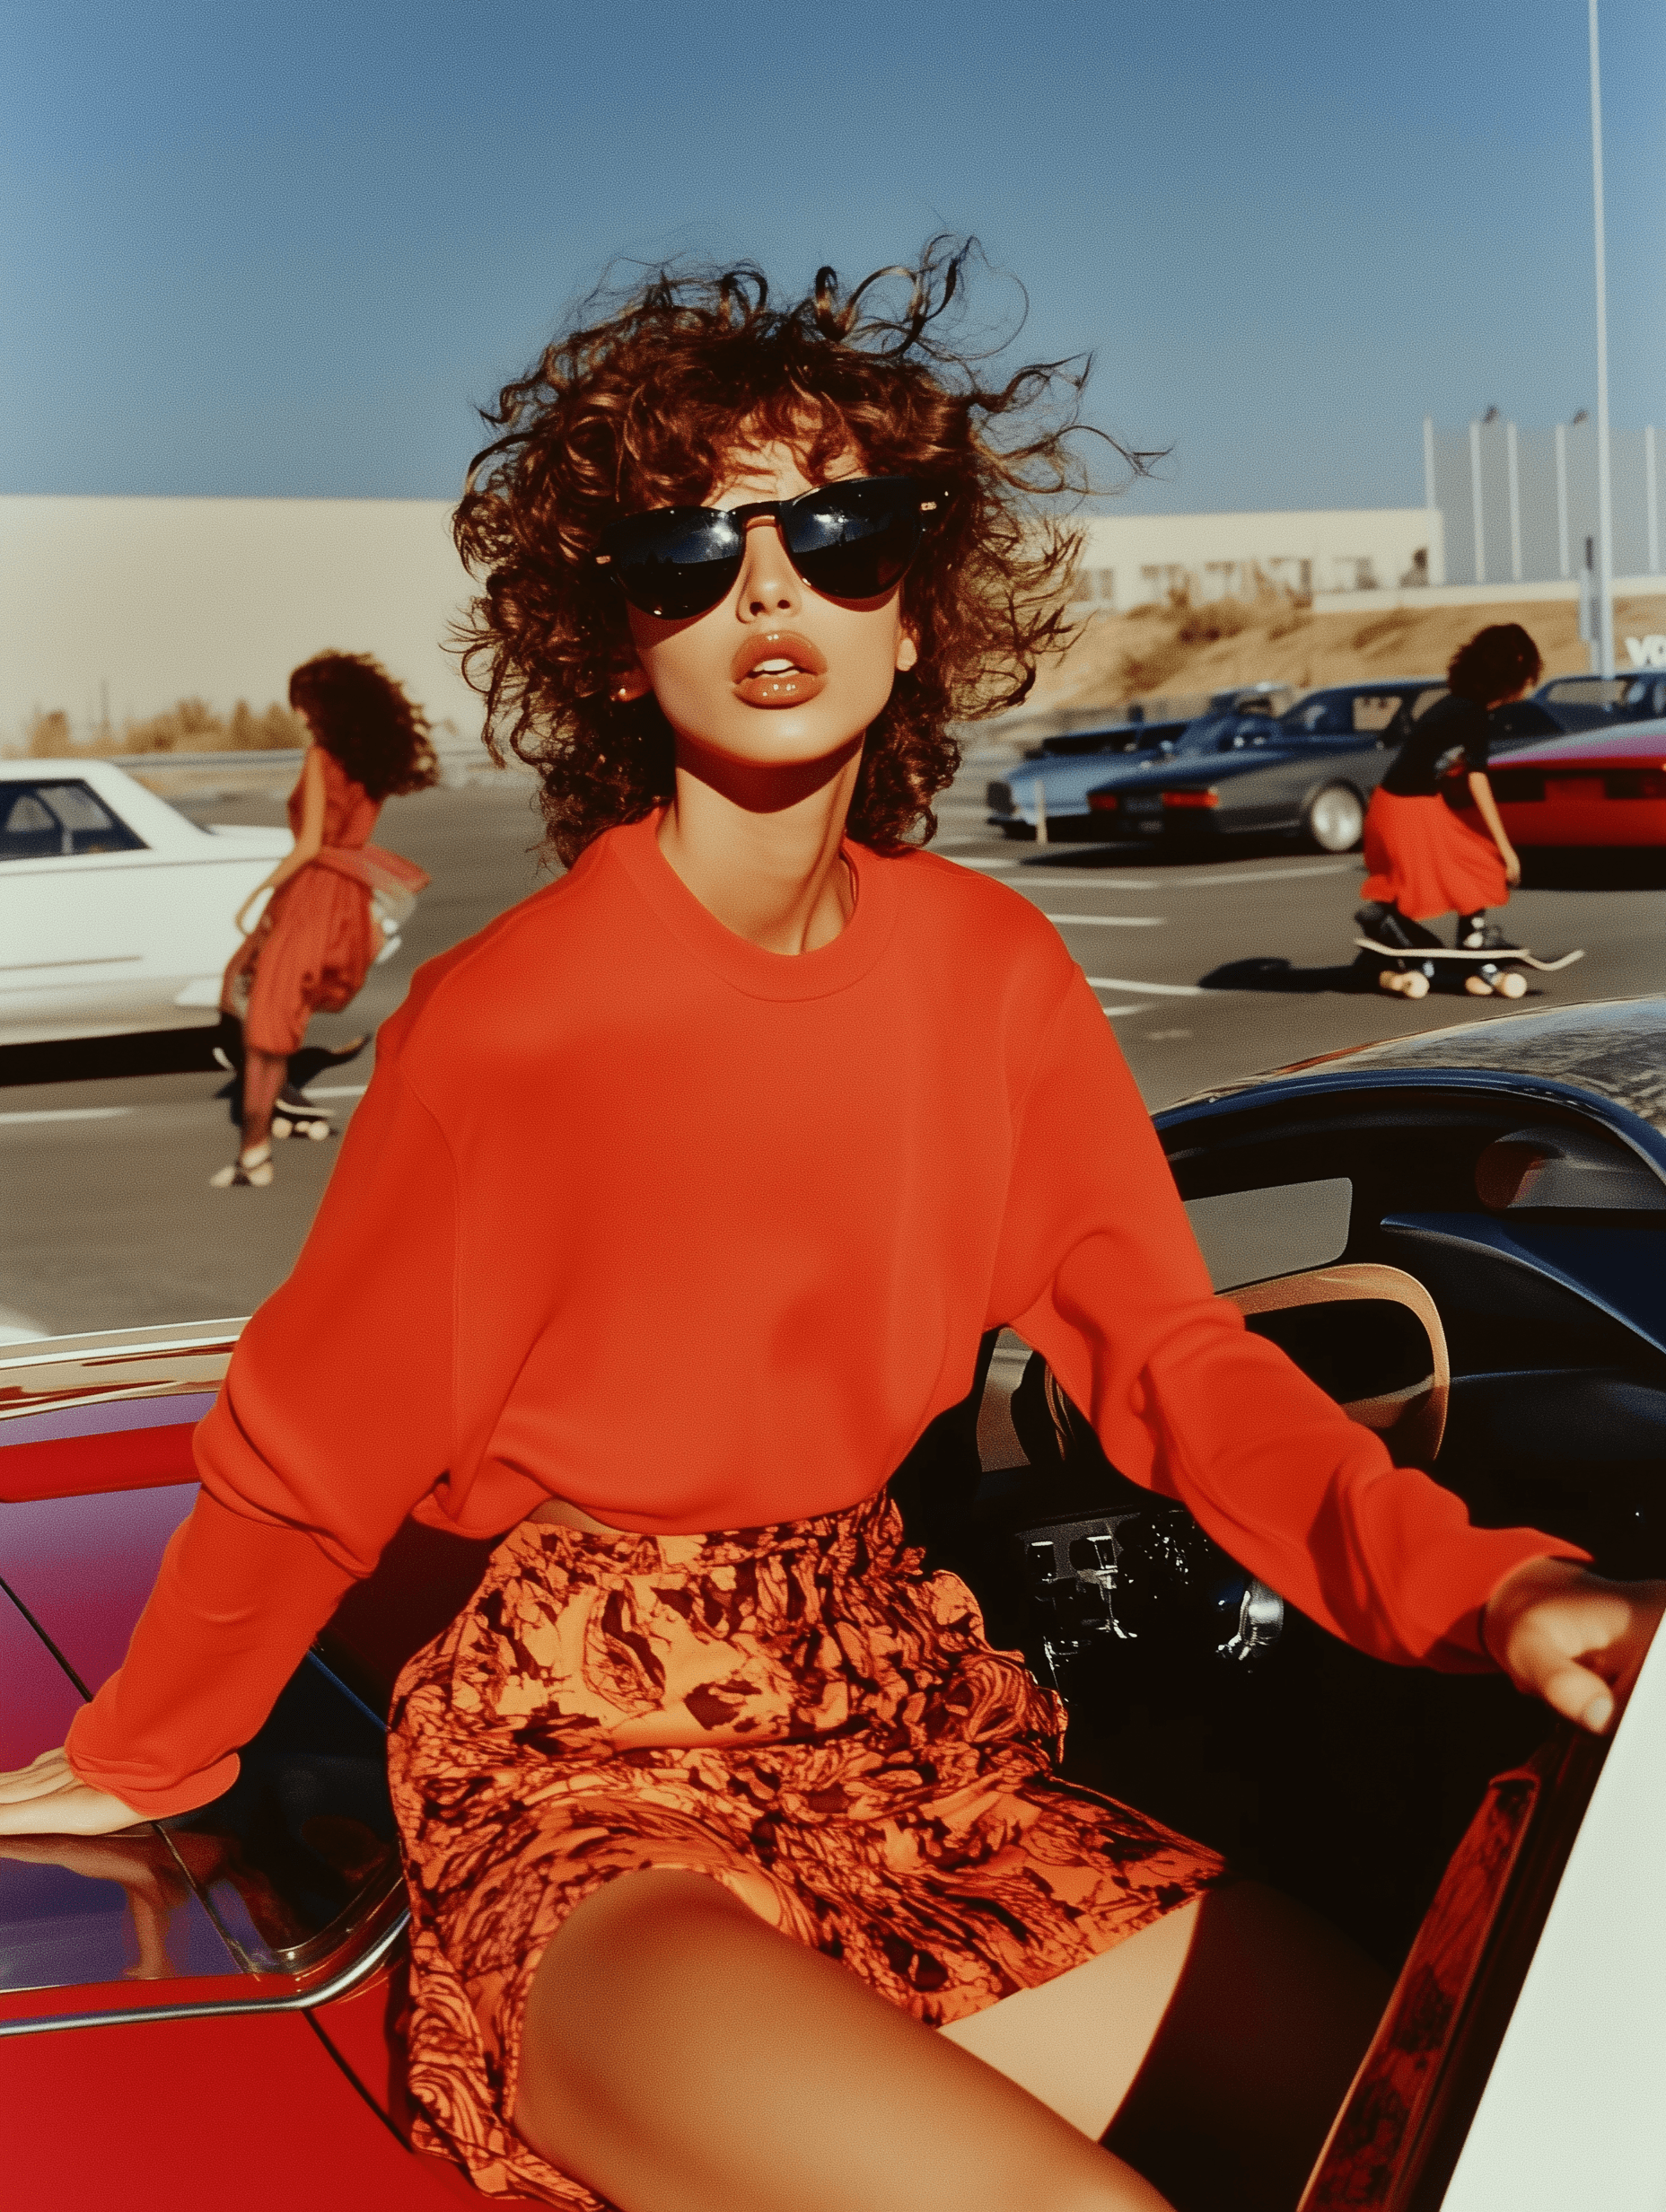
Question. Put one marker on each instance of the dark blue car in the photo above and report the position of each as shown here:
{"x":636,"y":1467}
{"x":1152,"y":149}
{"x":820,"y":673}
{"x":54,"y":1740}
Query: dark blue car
{"x":1311,"y":769}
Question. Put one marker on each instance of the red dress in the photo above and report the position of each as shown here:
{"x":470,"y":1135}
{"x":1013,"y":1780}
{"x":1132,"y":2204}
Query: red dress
{"x":312,"y":948}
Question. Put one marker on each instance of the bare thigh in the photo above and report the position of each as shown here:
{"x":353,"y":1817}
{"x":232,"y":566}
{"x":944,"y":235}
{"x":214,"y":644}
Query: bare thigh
{"x":680,"y":2054}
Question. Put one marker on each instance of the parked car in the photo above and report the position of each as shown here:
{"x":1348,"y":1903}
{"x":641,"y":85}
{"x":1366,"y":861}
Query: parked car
{"x":1311,"y":769}
{"x":1054,"y":786}
{"x":1604,"y":787}
{"x":1462,"y":1236}
{"x":117,"y":911}
{"x":1597,"y":702}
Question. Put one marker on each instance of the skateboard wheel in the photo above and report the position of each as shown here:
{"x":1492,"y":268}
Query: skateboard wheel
{"x":318,"y":1131}
{"x":1478,"y":987}
{"x":280,"y":1127}
{"x":1511,"y":985}
{"x":1390,"y":979}
{"x":1414,"y":986}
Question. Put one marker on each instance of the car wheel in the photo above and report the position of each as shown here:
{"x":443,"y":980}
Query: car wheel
{"x":1333,"y":820}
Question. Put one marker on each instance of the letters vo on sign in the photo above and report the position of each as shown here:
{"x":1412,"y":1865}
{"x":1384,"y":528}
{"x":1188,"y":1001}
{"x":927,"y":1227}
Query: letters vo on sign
{"x":1647,"y":652}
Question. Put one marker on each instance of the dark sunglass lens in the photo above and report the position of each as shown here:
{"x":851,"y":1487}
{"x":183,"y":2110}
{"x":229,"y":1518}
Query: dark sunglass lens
{"x":855,"y":540}
{"x":676,"y":562}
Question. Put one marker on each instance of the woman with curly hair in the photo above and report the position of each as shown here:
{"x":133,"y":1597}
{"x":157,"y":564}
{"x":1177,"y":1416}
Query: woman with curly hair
{"x":742,"y":1876}
{"x":312,"y":947}
{"x":1422,"y":859}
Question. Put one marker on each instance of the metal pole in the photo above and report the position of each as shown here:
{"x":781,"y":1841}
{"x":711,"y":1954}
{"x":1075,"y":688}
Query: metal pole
{"x":1605,"y":500}
{"x":1428,"y":460}
{"x":1515,"y":505}
{"x":1476,"y":512}
{"x":1652,"y":492}
{"x":1565,"y":567}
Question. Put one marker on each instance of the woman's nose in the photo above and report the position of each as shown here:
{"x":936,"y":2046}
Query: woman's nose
{"x":769,"y":583}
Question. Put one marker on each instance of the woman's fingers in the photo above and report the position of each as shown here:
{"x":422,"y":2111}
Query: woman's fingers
{"x":50,"y":1771}
{"x":74,"y":1808}
{"x":1573,"y":1638}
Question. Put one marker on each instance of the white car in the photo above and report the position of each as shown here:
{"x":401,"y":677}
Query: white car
{"x":117,"y":911}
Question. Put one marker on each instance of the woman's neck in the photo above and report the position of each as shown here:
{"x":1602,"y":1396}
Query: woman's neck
{"x":758,"y":846}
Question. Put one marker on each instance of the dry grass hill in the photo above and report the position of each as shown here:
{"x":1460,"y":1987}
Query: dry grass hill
{"x":1175,"y":650}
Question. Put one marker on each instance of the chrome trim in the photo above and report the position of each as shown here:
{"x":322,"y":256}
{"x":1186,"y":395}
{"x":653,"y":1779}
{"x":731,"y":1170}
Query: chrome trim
{"x":301,"y":2001}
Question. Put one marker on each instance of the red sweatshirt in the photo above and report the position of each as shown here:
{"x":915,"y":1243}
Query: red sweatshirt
{"x":698,"y":1236}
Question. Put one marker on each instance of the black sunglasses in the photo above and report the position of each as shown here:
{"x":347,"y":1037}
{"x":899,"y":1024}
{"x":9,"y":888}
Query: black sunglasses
{"x":848,"y":541}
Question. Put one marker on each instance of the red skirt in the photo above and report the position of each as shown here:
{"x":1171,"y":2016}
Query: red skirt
{"x":1427,"y":862}
{"x":796,"y":1712}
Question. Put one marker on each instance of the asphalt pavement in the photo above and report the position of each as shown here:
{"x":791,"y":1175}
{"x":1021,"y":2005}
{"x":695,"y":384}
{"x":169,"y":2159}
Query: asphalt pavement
{"x":1208,"y":967}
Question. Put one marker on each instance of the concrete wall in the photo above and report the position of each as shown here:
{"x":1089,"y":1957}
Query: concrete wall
{"x":139,"y":603}
{"x":1133,"y":559}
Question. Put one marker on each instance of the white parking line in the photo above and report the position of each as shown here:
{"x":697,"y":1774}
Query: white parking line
{"x":1154,"y":990}
{"x":334,"y":1090}
{"x":1111,"y":1012}
{"x":1110,"y":921}
{"x":69,"y":1113}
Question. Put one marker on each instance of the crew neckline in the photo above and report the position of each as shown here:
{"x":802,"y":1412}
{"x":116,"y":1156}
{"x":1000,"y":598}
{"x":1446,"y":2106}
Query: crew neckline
{"x":748,"y":967}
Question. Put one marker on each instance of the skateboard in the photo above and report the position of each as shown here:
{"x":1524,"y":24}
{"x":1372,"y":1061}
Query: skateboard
{"x":1485,"y":971}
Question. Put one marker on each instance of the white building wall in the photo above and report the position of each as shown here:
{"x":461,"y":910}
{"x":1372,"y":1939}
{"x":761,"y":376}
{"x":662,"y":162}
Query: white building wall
{"x":143,"y":601}
{"x":1130,"y":560}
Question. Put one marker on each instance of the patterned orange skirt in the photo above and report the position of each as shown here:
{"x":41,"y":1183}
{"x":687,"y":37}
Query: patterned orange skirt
{"x":796,"y":1712}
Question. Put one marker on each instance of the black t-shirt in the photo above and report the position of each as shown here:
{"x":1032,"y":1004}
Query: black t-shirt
{"x":1455,"y":733}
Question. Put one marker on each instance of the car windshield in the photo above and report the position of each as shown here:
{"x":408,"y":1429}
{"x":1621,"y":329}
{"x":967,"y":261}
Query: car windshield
{"x":1215,"y":732}
{"x":1341,"y":713}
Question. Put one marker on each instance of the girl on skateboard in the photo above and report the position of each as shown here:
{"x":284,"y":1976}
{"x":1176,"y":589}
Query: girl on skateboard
{"x":1422,"y":860}
{"x":313,"y":944}
{"x":742,"y":1877}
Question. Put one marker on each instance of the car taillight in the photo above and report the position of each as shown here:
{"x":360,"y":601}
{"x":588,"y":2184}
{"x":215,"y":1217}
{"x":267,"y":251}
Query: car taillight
{"x":1103,"y":802}
{"x":1191,"y":798}
{"x":1636,"y":783}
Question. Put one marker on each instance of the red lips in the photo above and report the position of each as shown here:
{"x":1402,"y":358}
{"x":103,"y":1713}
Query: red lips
{"x":778,"y":668}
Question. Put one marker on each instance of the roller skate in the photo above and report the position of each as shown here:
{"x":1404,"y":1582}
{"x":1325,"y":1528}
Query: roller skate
{"x":296,"y":1115}
{"x":1398,"y":951}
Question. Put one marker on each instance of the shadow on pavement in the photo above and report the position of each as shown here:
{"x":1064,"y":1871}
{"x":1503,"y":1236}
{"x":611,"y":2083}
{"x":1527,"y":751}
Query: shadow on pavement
{"x":1266,"y":973}
{"x":151,"y":1052}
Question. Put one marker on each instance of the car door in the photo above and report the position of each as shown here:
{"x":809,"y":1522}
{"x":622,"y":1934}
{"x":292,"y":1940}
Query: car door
{"x":68,"y":949}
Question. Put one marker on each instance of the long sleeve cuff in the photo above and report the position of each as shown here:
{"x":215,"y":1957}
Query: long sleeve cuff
{"x":236,"y":1604}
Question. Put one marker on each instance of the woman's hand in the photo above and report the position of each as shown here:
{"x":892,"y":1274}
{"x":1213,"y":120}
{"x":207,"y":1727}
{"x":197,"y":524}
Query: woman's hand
{"x":1572,"y":1637}
{"x":1512,"y":864}
{"x":242,"y":924}
{"x":47,"y":1798}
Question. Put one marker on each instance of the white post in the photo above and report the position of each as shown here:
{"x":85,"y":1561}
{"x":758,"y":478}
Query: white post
{"x":1428,"y":460}
{"x":1041,"y":812}
{"x":1476,"y":512}
{"x":1605,"y":500}
{"x":1652,"y":492}
{"x":1516,"y":505}
{"x":1565,"y":565}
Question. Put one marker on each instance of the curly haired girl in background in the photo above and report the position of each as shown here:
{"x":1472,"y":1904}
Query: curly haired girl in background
{"x":313,"y":944}
{"x":742,"y":1874}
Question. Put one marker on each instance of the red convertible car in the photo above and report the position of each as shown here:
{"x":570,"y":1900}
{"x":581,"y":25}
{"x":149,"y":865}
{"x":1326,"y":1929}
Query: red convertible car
{"x":1600,"y":787}
{"x":1460,"y":1235}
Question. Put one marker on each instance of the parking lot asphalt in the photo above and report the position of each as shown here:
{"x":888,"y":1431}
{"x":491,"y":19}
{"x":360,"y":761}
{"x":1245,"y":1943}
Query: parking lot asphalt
{"x":1208,"y":966}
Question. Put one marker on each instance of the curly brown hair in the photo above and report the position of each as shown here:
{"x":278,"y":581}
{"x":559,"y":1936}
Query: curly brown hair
{"x":643,"y":405}
{"x":359,"y":713}
{"x":1494,"y":665}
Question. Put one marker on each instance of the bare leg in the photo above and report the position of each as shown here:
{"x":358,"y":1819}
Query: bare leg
{"x":681,"y":2056}
{"x":263,"y":1079}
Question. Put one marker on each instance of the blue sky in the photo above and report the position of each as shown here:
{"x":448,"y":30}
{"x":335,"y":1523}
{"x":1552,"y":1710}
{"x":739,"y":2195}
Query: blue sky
{"x":284,"y":249}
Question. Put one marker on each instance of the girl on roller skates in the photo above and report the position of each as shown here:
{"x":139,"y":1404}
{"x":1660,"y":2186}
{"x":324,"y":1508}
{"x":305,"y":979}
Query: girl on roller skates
{"x":312,"y":947}
{"x":742,"y":1877}
{"x":1422,"y":860}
